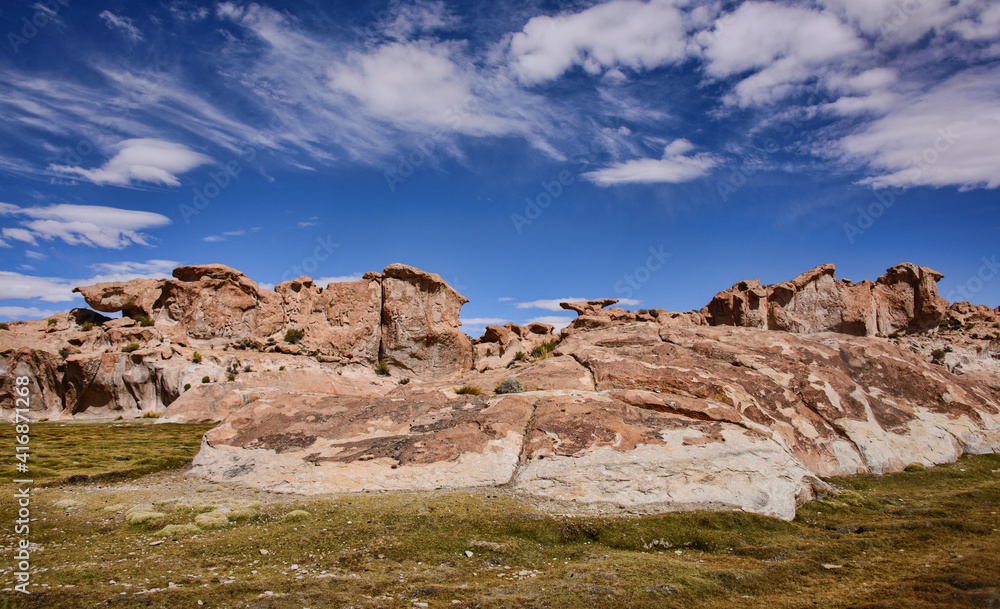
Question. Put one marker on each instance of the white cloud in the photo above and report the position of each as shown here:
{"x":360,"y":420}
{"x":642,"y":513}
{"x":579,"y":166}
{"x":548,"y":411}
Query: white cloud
{"x":416,"y":83}
{"x":484,"y":321}
{"x":306,"y":224}
{"x":93,"y":225}
{"x":621,"y":33}
{"x":782,"y":44}
{"x":234,"y":233}
{"x":895,"y":22}
{"x":504,"y":299}
{"x":550,"y":304}
{"x":19,"y":313}
{"x":4,"y":243}
{"x":945,"y":137}
{"x":35,"y":255}
{"x":213,"y":239}
{"x":123,"y":24}
{"x":20,"y":234}
{"x":325,"y":281}
{"x":675,"y":166}
{"x":141,"y":160}
{"x":146,"y":269}
{"x":57,"y":289}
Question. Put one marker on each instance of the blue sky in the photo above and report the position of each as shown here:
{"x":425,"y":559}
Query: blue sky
{"x":528,"y":152}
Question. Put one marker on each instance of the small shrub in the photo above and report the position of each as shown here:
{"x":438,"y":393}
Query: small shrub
{"x":642,"y":311}
{"x":895,"y":334}
{"x":52,"y":322}
{"x":510,"y":385}
{"x":88,"y":326}
{"x":296,"y":516}
{"x":130,"y":348}
{"x":196,"y":357}
{"x":404,"y":381}
{"x":916,"y":466}
{"x":43,"y":419}
{"x":151,"y":415}
{"x":520,"y":356}
{"x":542,"y":351}
{"x":119,"y":418}
{"x":468,"y":390}
{"x":281,"y":368}
{"x":205,"y":379}
{"x":179,"y":530}
{"x":211,"y":520}
{"x":938,"y":355}
{"x":294,"y":335}
{"x":4,"y":326}
{"x":655,"y":313}
{"x":381,"y":368}
{"x":139,"y":515}
{"x":231,"y":377}
{"x":187,"y":386}
{"x":145,"y":322}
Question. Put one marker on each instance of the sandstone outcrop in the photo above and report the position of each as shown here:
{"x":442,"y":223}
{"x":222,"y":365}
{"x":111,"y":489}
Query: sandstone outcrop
{"x":646,"y":410}
{"x":903,"y":300}
{"x":405,"y":316}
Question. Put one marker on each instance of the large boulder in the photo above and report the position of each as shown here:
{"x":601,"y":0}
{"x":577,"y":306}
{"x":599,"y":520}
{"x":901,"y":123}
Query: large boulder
{"x":903,"y":300}
{"x":420,"y":327}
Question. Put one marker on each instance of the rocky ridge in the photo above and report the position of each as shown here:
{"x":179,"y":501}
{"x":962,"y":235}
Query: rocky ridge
{"x":645,"y":409}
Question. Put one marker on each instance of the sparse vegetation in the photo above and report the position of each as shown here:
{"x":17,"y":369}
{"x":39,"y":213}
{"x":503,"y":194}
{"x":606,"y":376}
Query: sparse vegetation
{"x":381,"y":368}
{"x":294,"y":335}
{"x":520,"y":356}
{"x":654,"y":312}
{"x":404,"y":381}
{"x":542,"y":351}
{"x":937,"y":356}
{"x":281,"y":368}
{"x":196,"y":357}
{"x":187,"y":386}
{"x":231,"y":377}
{"x":151,"y":414}
{"x":88,"y":326}
{"x":129,"y":348}
{"x":206,"y":379}
{"x":468,"y":390}
{"x":510,"y":385}
{"x":145,"y":321}
{"x":4,"y":326}
{"x":52,"y":321}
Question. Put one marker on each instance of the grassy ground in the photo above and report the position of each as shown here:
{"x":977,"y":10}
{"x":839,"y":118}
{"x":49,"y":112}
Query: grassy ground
{"x":921,"y":539}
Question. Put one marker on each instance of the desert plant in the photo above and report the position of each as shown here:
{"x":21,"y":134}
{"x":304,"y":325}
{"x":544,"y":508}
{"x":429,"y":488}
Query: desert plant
{"x":281,"y":368}
{"x":642,"y":311}
{"x":205,"y":379}
{"x":4,"y":326}
{"x":196,"y":357}
{"x":468,"y":390}
{"x":187,"y":386}
{"x":145,"y":321}
{"x":381,"y":368}
{"x":151,"y":415}
{"x":231,"y":377}
{"x":130,"y":348}
{"x":88,"y":326}
{"x":542,"y":351}
{"x":520,"y":356}
{"x":938,"y":355}
{"x":119,"y":418}
{"x":404,"y":381}
{"x":510,"y":385}
{"x":52,"y":322}
{"x":294,"y":335}
{"x":654,"y":312}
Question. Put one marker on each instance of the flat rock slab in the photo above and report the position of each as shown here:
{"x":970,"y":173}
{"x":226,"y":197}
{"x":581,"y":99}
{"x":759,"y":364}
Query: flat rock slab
{"x":325,"y":444}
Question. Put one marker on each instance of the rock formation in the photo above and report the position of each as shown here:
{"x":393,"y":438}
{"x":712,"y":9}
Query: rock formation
{"x":405,"y":316}
{"x":648,"y":409}
{"x":904,"y":300}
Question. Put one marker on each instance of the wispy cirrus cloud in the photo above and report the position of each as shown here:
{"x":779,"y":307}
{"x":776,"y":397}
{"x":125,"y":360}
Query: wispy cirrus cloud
{"x":92,"y":225}
{"x":122,"y":24}
{"x":673,"y":167}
